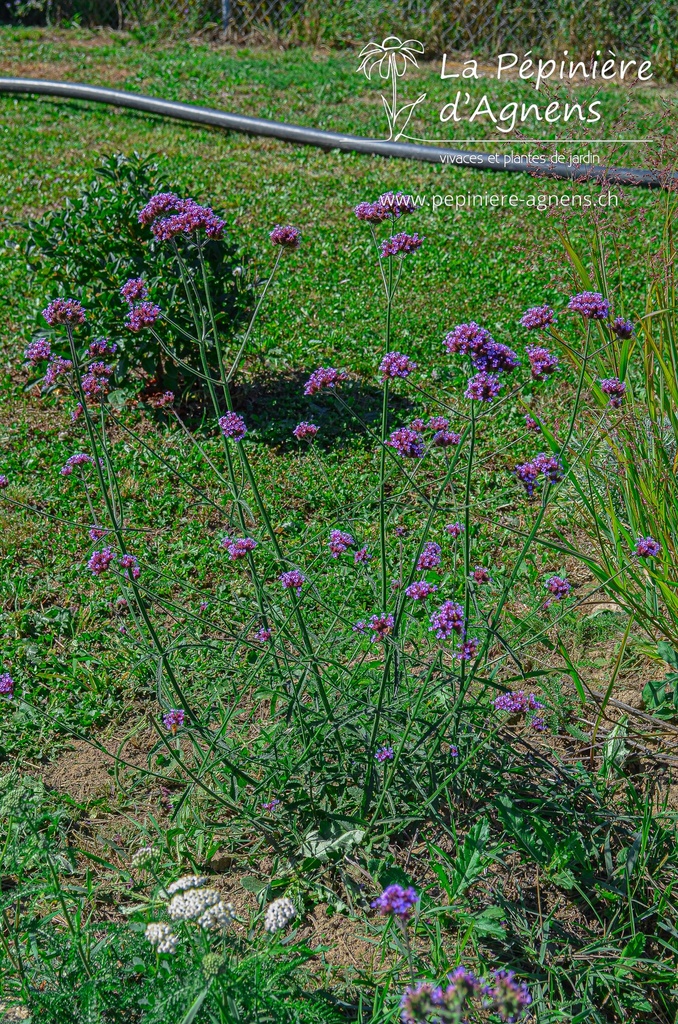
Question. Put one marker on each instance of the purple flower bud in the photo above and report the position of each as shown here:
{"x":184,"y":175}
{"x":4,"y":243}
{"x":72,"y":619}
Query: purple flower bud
{"x":448,"y":619}
{"x":454,"y":529}
{"x":340,"y":542}
{"x":445,"y":439}
{"x":79,"y":459}
{"x":130,"y":566}
{"x":233,"y":426}
{"x":133,"y":290}
{"x":591,"y":305}
{"x":481,"y":575}
{"x":100,"y":561}
{"x":64,"y":311}
{"x":173,"y":720}
{"x":143,"y":315}
{"x":271,"y":805}
{"x":400,"y":245}
{"x":292,"y":580}
{"x":4,"y":482}
{"x":468,"y":649}
{"x":646,"y":547}
{"x":542,"y":362}
{"x":305,"y":431}
{"x":38,"y":350}
{"x":55,"y":368}
{"x":438,"y":423}
{"x":484,"y":387}
{"x":622,"y":328}
{"x":262,"y":635}
{"x":324,"y":377}
{"x":381,"y":626}
{"x":558,"y":587}
{"x":161,"y":399}
{"x":384,"y":754}
{"x":286,"y":236}
{"x":615,"y":388}
{"x":6,"y":684}
{"x":430,"y":556}
{"x":397,"y":901}
{"x":395,"y":364}
{"x":420,"y":590}
{"x":239,"y":548}
{"x":532,"y":424}
{"x":361,"y":557}
{"x":407,"y":443}
{"x":538,"y":317}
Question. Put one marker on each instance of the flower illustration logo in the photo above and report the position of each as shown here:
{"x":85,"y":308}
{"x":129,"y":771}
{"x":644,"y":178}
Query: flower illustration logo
{"x":391,"y":58}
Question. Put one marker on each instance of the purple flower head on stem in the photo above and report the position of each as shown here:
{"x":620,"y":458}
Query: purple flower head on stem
{"x":292,"y":580}
{"x":397,"y":203}
{"x":361,"y":557}
{"x":615,"y":389}
{"x":400,"y":245}
{"x":647,"y":547}
{"x":481,"y":575}
{"x":233,"y":426}
{"x":4,"y":482}
{"x":381,"y":626}
{"x":517,"y":702}
{"x":130,"y":566}
{"x":622,"y":328}
{"x":407,"y":443}
{"x":100,"y":561}
{"x":532,"y":424}
{"x":591,"y":305}
{"x":271,"y":805}
{"x":94,"y":384}
{"x":371,"y":213}
{"x":507,"y":997}
{"x":430,"y":557}
{"x":448,"y":619}
{"x":496,"y":358}
{"x":445,"y":439}
{"x":143,"y":315}
{"x":418,"y":425}
{"x":96,"y":533}
{"x":134,"y":290}
{"x":262,"y":635}
{"x":55,"y":368}
{"x":550,"y":466}
{"x":454,"y":529}
{"x":161,"y":399}
{"x":558,"y":587}
{"x":468,"y":649}
{"x":340,"y":542}
{"x":238,"y":548}
{"x":438,"y":423}
{"x":384,"y":754}
{"x":79,"y":459}
{"x":397,"y":901}
{"x":173,"y":720}
{"x":542,"y":362}
{"x":360,"y":626}
{"x":305,"y":431}
{"x":286,"y":236}
{"x":169,"y":216}
{"x":395,"y":364}
{"x":76,"y":413}
{"x":38,"y":350}
{"x":467,"y":339}
{"x":454,"y":750}
{"x":420,"y":1003}
{"x":64,"y":311}
{"x":538,"y":723}
{"x":484,"y":387}
{"x":6,"y":684}
{"x":527,"y":473}
{"x":102,"y":347}
{"x":420,"y":590}
{"x":462,"y":986}
{"x":537,"y":318}
{"x":401,"y":531}
{"x":324,"y":377}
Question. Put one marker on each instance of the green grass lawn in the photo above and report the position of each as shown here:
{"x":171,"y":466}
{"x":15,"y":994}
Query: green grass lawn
{"x":72,"y":646}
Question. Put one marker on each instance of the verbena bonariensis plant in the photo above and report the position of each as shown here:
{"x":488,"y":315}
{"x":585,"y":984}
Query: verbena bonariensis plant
{"x":328,"y":696}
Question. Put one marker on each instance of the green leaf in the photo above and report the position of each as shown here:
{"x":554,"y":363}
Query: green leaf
{"x":469,"y":863}
{"x":197,"y":1003}
{"x":654,"y":694}
{"x":667,"y":654}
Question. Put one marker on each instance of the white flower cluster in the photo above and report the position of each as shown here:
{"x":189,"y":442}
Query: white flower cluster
{"x":143,"y":857}
{"x":162,"y":936}
{"x":217,"y":917}
{"x":202,"y":905}
{"x":279,"y":913}
{"x":186,"y":882}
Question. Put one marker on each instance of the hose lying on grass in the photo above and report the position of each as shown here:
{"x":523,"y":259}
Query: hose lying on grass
{"x":335,"y":140}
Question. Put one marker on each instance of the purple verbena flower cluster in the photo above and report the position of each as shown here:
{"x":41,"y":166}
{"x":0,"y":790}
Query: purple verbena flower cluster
{"x":537,"y":318}
{"x":143,"y":315}
{"x":238,"y":548}
{"x":484,"y":387}
{"x":481,"y":575}
{"x":542,"y":362}
{"x":38,"y":350}
{"x":506,"y":996}
{"x":362,"y":556}
{"x":381,"y":626}
{"x":426,"y":1003}
{"x":270,"y":805}
{"x":532,"y":424}
{"x":340,"y":542}
{"x":528,"y":472}
{"x":4,"y":482}
{"x":407,"y":443}
{"x":591,"y":305}
{"x":100,"y":561}
{"x":55,"y":368}
{"x":134,"y":290}
{"x":387,"y":206}
{"x":420,"y":590}
{"x":233,"y":426}
{"x":292,"y":580}
{"x":517,"y":702}
{"x":95,"y":381}
{"x":384,"y":754}
{"x":6,"y":684}
{"x":448,"y":619}
{"x":168,"y":215}
{"x":438,"y":423}
{"x":161,"y":399}
{"x":395,"y":364}
{"x":64,"y":311}
{"x":173,"y":720}
{"x":468,"y":649}
{"x":397,"y":901}
{"x":305,"y":431}
{"x":262,"y":635}
{"x":558,"y":587}
{"x":324,"y":377}
{"x":400,"y":245}
{"x":430,"y":557}
{"x":79,"y":459}
{"x":286,"y":236}
{"x":454,"y":529}
{"x":622,"y":328}
{"x":647,"y":547}
{"x":445,"y":439}
{"x":130,"y":566}
{"x":615,"y":389}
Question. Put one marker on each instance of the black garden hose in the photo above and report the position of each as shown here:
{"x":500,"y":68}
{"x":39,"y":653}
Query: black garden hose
{"x":335,"y":140}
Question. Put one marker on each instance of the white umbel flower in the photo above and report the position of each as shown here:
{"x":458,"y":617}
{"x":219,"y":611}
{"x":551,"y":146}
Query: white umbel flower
{"x":188,"y":906}
{"x":186,"y":882}
{"x":162,"y":936}
{"x":279,"y":914}
{"x":218,"y":917}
